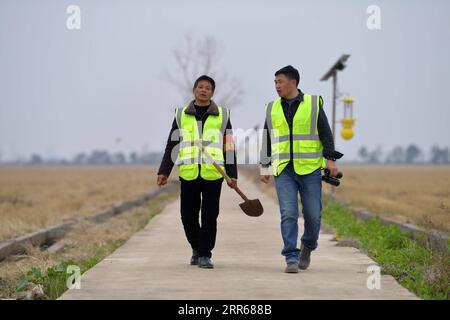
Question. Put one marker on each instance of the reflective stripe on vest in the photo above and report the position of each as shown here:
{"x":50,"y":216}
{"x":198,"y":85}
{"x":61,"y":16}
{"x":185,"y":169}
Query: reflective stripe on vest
{"x":190,"y":161}
{"x":307,"y":148}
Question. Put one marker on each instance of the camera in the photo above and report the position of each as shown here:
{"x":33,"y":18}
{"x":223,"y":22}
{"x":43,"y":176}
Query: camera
{"x":334,"y":181}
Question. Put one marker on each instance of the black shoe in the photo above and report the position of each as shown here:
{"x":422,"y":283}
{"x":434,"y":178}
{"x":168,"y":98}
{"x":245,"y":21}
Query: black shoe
{"x":305,"y":257}
{"x":194,"y":258}
{"x":205,"y":262}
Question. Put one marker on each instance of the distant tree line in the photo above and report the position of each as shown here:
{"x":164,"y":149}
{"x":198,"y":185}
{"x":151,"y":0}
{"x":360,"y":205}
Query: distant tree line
{"x":399,"y":154}
{"x":95,"y":157}
{"x":407,"y":154}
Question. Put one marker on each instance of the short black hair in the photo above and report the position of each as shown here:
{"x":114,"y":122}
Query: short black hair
{"x":206,"y":78}
{"x":290,"y":72}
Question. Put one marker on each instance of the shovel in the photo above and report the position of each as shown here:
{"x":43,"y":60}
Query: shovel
{"x":252,"y":208}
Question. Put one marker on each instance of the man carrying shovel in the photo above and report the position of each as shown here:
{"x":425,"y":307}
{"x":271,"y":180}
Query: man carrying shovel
{"x":296,"y":139}
{"x":201,"y":134}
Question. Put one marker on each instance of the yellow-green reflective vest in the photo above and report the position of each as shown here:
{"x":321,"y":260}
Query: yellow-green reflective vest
{"x":307,"y":147}
{"x":211,"y":137}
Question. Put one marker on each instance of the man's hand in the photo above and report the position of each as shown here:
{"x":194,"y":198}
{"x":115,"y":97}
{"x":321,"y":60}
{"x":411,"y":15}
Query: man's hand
{"x":232,"y":183}
{"x":264,"y":178}
{"x":331,"y":165}
{"x":162,"y":180}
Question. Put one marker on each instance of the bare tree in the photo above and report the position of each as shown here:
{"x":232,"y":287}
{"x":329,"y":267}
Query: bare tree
{"x":200,"y":56}
{"x":396,"y":155}
{"x":412,"y":153}
{"x":439,"y":155}
{"x":363,"y":153}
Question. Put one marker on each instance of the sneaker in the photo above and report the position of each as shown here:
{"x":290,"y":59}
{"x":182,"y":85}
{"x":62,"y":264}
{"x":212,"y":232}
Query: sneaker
{"x":205,"y":262}
{"x":305,"y":257}
{"x":291,"y":267}
{"x":194,"y":258}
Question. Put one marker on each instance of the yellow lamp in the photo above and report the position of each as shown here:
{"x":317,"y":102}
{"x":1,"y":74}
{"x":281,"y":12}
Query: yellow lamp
{"x":348,"y":121}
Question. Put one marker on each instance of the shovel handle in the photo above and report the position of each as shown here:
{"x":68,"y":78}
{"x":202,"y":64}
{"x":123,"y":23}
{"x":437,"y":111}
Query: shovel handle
{"x":243,"y":196}
{"x":223,"y":173}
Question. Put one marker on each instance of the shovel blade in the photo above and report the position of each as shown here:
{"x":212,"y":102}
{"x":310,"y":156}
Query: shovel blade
{"x":252,"y":208}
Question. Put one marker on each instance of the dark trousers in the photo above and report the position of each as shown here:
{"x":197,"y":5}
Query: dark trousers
{"x":200,"y":195}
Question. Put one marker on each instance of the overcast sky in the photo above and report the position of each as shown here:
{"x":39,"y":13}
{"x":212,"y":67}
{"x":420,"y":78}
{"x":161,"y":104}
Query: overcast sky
{"x":64,"y":91}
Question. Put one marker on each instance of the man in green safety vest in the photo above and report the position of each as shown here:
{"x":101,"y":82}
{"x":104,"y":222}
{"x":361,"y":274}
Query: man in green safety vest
{"x":200,"y":122}
{"x":296,"y":141}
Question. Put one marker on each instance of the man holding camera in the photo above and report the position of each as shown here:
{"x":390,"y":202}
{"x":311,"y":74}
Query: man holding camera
{"x":296,"y":141}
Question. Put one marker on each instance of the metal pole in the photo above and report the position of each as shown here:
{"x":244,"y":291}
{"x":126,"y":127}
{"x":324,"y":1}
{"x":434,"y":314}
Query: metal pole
{"x":333,"y":126}
{"x":338,"y":66}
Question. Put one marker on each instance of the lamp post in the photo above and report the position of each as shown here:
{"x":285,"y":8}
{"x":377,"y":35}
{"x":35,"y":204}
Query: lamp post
{"x":339,"y":65}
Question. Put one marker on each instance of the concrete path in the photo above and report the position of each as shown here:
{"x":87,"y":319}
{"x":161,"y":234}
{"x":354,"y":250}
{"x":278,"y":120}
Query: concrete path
{"x":154,"y":263}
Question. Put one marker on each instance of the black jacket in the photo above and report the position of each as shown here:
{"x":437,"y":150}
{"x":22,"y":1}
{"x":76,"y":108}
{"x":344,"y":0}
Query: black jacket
{"x":201,"y":114}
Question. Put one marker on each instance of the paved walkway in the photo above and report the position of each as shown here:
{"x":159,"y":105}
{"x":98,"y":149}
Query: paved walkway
{"x":154,"y":263}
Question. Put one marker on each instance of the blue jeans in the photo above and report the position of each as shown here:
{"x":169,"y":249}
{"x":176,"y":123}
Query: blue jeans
{"x":288,"y":184}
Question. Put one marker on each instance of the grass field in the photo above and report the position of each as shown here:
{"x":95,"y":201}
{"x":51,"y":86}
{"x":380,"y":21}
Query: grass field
{"x":417,"y":267}
{"x":85,"y":244}
{"x":415,"y":194}
{"x":37,"y":197}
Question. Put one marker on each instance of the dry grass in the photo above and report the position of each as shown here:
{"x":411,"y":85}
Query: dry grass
{"x":84,"y":241}
{"x":417,"y":194}
{"x":414,"y":194}
{"x":37,"y":197}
